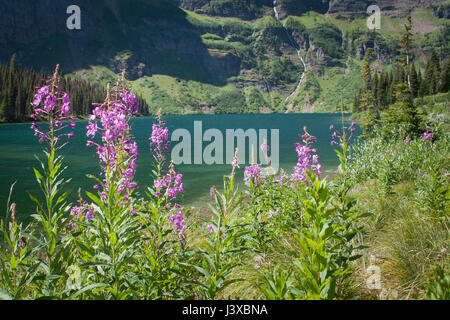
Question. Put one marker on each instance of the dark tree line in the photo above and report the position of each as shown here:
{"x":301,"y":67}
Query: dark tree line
{"x":388,"y":97}
{"x":18,"y":86}
{"x":435,"y":79}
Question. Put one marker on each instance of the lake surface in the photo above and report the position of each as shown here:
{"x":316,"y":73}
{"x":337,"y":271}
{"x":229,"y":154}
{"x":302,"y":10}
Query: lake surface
{"x":18,"y":147}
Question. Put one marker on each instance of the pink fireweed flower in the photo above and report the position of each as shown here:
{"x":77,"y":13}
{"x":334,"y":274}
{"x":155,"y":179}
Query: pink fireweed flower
{"x":264,"y":147}
{"x":129,"y":99}
{"x":82,"y":210}
{"x":338,"y":136}
{"x":210,"y":228}
{"x":427,"y":136}
{"x":252,"y":174}
{"x":212,"y":190}
{"x":65,"y":108}
{"x":52,"y":106}
{"x":407,"y":140}
{"x":172,"y":182}
{"x":177,"y":219}
{"x":159,"y":140}
{"x":319,"y":169}
{"x":235,"y":163}
{"x":92,"y":129}
{"x":89,"y":215}
{"x":306,"y":160}
{"x":315,"y":159}
{"x":159,"y":183}
{"x":117,"y":153}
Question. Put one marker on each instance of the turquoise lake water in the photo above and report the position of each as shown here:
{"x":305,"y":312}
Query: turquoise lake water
{"x":18,"y":147}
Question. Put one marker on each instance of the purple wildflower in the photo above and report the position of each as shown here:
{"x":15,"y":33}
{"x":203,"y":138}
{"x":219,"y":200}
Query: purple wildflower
{"x":427,"y":136}
{"x":305,"y":158}
{"x":89,"y":215}
{"x":52,"y":112}
{"x":118,"y":152}
{"x":252,"y":174}
{"x":177,"y":219}
{"x":264,"y":147}
{"x":159,"y":140}
{"x":172,"y":182}
{"x":337,"y":135}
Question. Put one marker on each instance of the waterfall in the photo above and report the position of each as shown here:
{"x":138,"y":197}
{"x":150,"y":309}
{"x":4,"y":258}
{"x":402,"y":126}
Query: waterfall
{"x":296,"y":47}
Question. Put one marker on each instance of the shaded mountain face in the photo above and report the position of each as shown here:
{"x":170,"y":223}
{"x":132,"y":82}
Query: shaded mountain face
{"x":141,"y":36}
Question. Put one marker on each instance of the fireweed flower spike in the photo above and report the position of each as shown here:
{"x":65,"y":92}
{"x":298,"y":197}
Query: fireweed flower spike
{"x":159,"y":140}
{"x":235,"y":163}
{"x":51,"y":105}
{"x":177,"y":219}
{"x":168,"y":184}
{"x":339,"y":136}
{"x":306,"y":160}
{"x":117,"y":153}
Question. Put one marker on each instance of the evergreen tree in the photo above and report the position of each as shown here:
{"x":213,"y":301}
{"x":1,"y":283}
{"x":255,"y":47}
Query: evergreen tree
{"x":367,"y":70}
{"x":375,"y":87}
{"x":370,"y":115}
{"x":381,"y":92}
{"x":405,"y":49}
{"x":356,"y":102}
{"x":419,"y":81}
{"x":402,"y":112}
{"x":3,"y":110}
{"x":414,"y":82}
{"x":432,"y":74}
{"x":445,"y":76}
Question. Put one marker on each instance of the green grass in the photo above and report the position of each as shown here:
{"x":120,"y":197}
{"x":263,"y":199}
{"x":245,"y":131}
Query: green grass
{"x":311,"y":19}
{"x":326,"y":92}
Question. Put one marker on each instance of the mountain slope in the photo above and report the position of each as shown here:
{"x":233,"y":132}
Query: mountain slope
{"x":186,"y":62}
